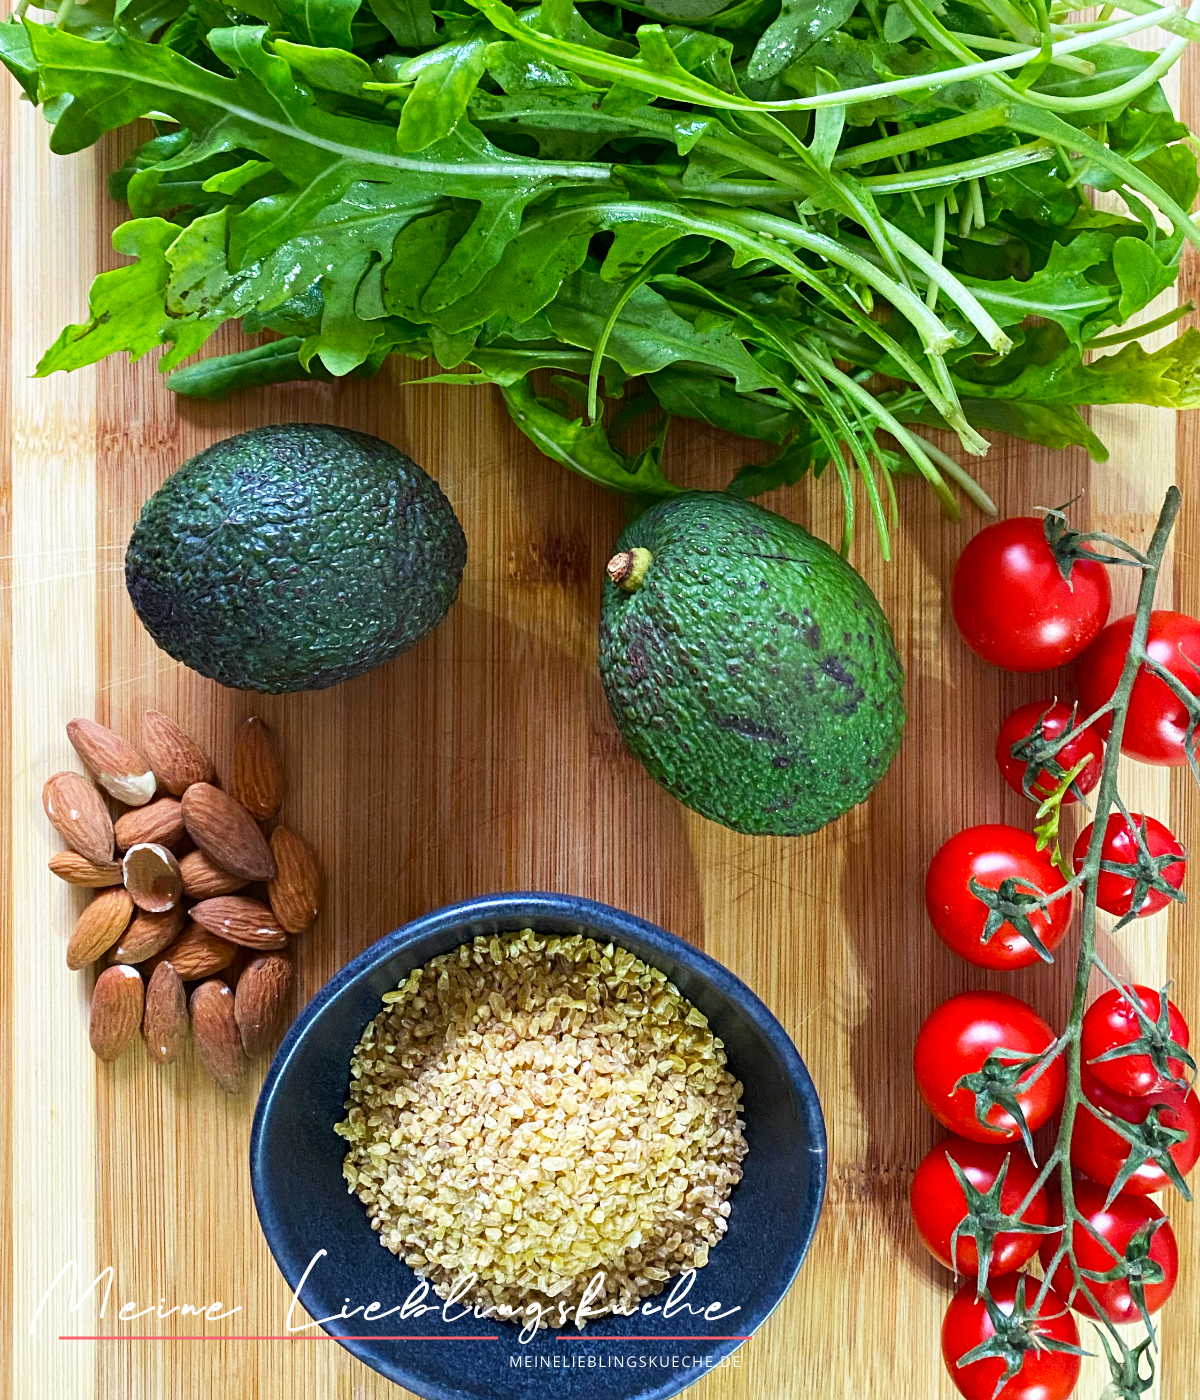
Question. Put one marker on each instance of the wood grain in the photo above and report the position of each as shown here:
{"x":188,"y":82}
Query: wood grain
{"x":483,"y":760}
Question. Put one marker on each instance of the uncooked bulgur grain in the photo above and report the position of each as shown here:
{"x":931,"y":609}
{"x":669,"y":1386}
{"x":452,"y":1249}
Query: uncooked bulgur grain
{"x":535,"y":1110}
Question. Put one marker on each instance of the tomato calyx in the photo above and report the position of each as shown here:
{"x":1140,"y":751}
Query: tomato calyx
{"x":985,"y":1219}
{"x":1011,"y":902}
{"x":1128,"y":1382}
{"x":1015,"y":1334}
{"x":994,"y":1085}
{"x":1150,"y":1141}
{"x":1136,"y":1270}
{"x":1155,"y":1041}
{"x":1039,"y":753}
{"x":1145,"y":871}
{"x":1071,"y":547}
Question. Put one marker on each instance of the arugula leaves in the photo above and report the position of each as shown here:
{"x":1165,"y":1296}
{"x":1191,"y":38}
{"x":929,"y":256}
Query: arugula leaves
{"x":766,"y":214}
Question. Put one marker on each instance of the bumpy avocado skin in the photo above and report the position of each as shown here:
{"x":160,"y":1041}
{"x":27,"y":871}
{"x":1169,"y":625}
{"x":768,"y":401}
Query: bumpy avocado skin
{"x":293,"y":557}
{"x":753,"y":673}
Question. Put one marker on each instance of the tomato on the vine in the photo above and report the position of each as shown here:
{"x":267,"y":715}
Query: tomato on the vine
{"x":957,"y":1039}
{"x":939,"y":1204}
{"x":992,"y":855}
{"x":1045,"y":1374}
{"x":1115,"y":892}
{"x":1101,"y":1152}
{"x":1156,"y":722}
{"x":1129,"y":1220}
{"x":1051,"y":718}
{"x":1014,"y":607}
{"x":1112,"y":1021}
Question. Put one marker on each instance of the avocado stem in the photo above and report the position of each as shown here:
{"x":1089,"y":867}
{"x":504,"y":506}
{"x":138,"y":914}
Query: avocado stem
{"x":628,"y":569}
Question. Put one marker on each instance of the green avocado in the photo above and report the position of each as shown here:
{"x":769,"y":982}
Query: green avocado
{"x":749,"y":667}
{"x":293,"y":557}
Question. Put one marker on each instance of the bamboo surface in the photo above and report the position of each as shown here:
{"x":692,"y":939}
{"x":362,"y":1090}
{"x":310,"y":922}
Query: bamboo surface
{"x":485,"y":760}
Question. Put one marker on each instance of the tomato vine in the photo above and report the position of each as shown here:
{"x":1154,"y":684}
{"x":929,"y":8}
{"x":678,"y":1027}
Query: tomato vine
{"x":1138,"y":1267}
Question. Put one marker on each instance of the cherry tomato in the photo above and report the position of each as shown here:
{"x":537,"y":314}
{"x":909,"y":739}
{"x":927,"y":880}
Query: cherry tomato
{"x":1111,"y":1021}
{"x":1012,"y":604}
{"x":1117,"y":1224}
{"x":1044,"y":1374}
{"x":1156,"y":722}
{"x":1053,"y":719}
{"x":1100,"y":1151}
{"x":957,"y":1039}
{"x":1114,"y":893}
{"x":990,"y":855}
{"x":939,"y":1203}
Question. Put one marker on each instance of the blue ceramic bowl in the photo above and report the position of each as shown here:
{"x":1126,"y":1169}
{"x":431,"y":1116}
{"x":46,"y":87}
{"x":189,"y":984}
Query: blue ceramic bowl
{"x":305,"y":1208}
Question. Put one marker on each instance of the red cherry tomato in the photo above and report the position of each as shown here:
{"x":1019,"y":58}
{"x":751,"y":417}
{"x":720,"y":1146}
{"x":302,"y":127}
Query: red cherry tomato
{"x":1116,"y":1224}
{"x":1044,"y":1374}
{"x":1156,"y":722}
{"x":1012,"y":604}
{"x":1053,"y":719}
{"x":1100,"y":1151}
{"x":1112,"y":1021}
{"x":990,"y":855}
{"x":957,"y":1039}
{"x":1114,"y":893}
{"x":939,"y":1203}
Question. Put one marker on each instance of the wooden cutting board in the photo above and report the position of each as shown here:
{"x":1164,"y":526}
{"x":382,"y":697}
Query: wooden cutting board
{"x":484,"y":760}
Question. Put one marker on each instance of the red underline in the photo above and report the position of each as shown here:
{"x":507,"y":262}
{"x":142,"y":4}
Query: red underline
{"x":232,"y":1337}
{"x":325,"y":1337}
{"x":692,"y":1338}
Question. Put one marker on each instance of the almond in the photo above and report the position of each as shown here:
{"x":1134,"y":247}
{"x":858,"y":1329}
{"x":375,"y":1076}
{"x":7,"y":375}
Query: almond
{"x":295,"y":892}
{"x":147,"y":935}
{"x":116,"y":1010}
{"x":217,"y":1037}
{"x":159,"y":824}
{"x":258,"y":769}
{"x":258,"y":1000}
{"x":196,"y":953}
{"x":78,"y":812}
{"x":165,"y":1020}
{"x":115,"y":764}
{"x":240,"y":920}
{"x":99,"y":926}
{"x":78,"y":870}
{"x":152,"y":877}
{"x":203,"y":877}
{"x":227,"y":833}
{"x":177,"y":760}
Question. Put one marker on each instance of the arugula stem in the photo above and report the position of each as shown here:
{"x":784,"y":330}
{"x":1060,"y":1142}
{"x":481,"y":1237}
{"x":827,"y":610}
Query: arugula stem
{"x":934,"y":335}
{"x":1159,"y":323}
{"x":963,"y":480}
{"x":939,"y":248}
{"x":985,"y":42}
{"x":961,"y":296}
{"x":1124,"y":93}
{"x":921,"y":138}
{"x":616,"y":69}
{"x":936,"y":176}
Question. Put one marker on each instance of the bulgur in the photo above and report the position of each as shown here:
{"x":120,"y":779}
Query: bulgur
{"x":536,"y":1109}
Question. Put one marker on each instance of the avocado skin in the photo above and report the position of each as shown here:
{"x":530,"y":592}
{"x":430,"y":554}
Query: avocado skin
{"x":293,"y":557}
{"x":753,"y":674}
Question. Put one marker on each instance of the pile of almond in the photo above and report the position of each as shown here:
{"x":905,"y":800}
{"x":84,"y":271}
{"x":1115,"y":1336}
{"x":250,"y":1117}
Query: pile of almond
{"x":193,"y":886}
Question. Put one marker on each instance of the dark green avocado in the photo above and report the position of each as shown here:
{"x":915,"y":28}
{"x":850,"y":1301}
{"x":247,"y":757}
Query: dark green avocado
{"x":293,"y":557}
{"x":748,"y":666}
